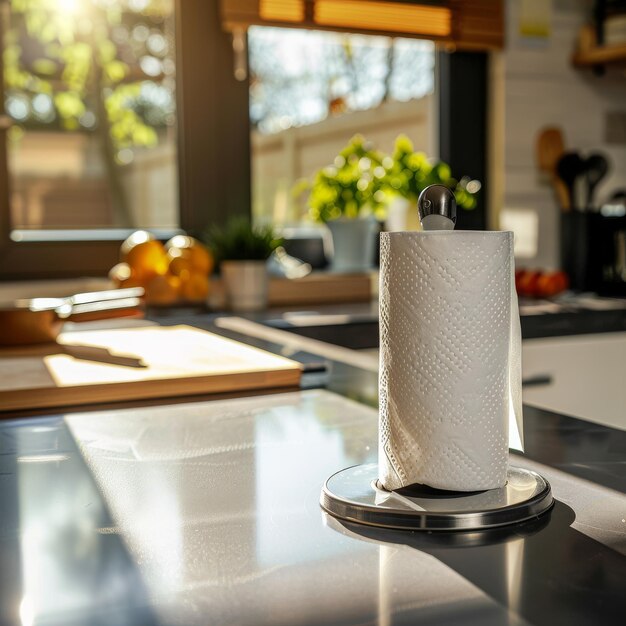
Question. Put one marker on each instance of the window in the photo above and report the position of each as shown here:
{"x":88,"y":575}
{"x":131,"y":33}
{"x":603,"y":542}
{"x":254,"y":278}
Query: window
{"x":187,"y":165}
{"x":311,"y":91}
{"x":183,"y":152}
{"x":89,"y":92}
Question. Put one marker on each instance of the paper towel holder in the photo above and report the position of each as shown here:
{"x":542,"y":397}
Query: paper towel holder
{"x":355,"y":495}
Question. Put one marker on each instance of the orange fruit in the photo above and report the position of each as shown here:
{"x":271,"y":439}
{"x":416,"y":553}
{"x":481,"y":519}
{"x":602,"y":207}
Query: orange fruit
{"x":122,"y":275}
{"x":163,"y":289}
{"x":198,"y":255}
{"x":139,"y":236}
{"x":179,"y":262}
{"x":144,"y":254}
{"x":120,"y":272}
{"x":202,"y":259}
{"x":195,"y":287}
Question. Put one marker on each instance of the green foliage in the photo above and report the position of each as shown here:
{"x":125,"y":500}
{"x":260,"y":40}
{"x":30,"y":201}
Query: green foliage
{"x":239,"y":241}
{"x":363,"y":180}
{"x":411,"y":172}
{"x":127,"y":130}
{"x":77,"y":62}
{"x":348,"y":188}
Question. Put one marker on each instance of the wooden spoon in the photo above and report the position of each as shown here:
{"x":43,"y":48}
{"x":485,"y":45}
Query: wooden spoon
{"x":549,"y":149}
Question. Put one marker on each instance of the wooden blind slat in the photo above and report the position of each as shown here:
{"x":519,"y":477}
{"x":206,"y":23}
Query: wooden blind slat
{"x":474,"y":24}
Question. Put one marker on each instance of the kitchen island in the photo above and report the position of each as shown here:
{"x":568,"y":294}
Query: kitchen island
{"x":206,"y":512}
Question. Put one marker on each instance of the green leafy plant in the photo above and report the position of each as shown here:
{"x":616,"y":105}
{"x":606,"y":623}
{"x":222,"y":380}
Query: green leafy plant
{"x":362,"y":181}
{"x":411,"y":172}
{"x":348,"y":187}
{"x":240,"y":241}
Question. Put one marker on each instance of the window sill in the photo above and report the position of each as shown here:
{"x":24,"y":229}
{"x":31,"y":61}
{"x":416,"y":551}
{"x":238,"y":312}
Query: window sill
{"x":100,"y":234}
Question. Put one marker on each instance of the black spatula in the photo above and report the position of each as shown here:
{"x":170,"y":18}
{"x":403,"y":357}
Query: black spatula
{"x":596,"y":168}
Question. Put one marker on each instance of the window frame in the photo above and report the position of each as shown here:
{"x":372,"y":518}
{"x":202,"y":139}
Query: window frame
{"x":463,"y":81}
{"x":212,"y":135}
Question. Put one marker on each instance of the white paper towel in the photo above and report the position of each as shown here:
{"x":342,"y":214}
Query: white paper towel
{"x":450,"y":359}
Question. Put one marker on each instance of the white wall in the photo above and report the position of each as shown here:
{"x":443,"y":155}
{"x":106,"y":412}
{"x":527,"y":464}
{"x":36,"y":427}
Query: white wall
{"x":541,"y":88}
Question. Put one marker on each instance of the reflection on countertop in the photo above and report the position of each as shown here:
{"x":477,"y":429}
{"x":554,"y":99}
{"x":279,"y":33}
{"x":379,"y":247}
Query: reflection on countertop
{"x":208,"y":513}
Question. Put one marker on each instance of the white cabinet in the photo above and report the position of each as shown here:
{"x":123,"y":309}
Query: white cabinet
{"x":588,"y":376}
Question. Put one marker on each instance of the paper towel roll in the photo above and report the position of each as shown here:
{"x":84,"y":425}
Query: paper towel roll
{"x":450,"y":359}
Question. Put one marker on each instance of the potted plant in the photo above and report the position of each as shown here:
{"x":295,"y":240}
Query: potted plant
{"x":242,"y":251}
{"x":409,"y":173}
{"x":347,"y":196}
{"x":363,"y":185}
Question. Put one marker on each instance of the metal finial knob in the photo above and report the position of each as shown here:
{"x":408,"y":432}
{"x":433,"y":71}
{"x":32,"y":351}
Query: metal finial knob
{"x":437,"y":208}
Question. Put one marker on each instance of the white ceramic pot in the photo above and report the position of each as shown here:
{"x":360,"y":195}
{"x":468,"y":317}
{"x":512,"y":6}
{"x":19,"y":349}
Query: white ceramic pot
{"x":402,"y":215}
{"x":245,"y":283}
{"x":353,"y":244}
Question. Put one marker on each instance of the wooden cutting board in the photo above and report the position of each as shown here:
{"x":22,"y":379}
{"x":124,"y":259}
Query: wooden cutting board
{"x":135,"y":363}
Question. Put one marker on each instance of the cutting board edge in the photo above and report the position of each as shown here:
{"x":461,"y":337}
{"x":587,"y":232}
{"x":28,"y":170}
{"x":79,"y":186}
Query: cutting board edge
{"x":77,"y":395}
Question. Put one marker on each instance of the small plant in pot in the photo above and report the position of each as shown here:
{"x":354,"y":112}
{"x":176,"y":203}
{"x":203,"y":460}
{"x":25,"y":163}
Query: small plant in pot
{"x":242,"y":250}
{"x":347,"y":196}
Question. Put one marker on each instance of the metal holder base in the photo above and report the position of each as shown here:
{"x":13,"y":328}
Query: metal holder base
{"x":354,"y":494}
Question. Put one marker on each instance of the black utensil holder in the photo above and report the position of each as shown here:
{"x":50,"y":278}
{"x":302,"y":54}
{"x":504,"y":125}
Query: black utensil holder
{"x":589,"y":252}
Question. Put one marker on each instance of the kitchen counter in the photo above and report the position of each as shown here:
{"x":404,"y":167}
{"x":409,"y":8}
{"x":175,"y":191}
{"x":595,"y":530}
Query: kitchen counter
{"x":356,"y":325}
{"x":207,"y":513}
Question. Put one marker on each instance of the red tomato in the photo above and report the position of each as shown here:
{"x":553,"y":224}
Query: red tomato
{"x":564,"y":279}
{"x":551,"y":284}
{"x":527,"y":284}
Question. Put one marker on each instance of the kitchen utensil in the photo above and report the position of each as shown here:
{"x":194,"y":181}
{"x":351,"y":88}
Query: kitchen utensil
{"x":597,"y":168}
{"x":549,"y":149}
{"x":39,"y":320}
{"x":569,"y":168}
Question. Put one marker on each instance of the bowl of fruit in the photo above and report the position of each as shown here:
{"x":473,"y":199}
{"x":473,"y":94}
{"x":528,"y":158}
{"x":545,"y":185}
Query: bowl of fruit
{"x":171,"y":273}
